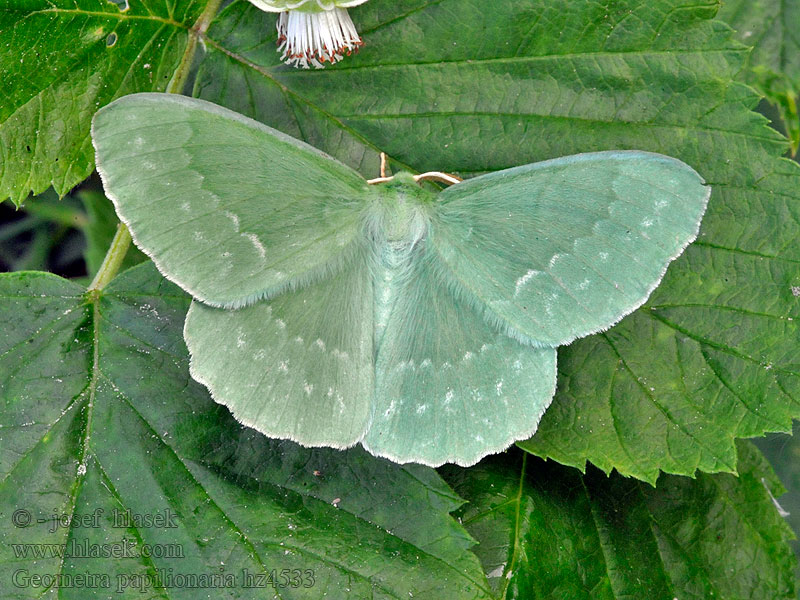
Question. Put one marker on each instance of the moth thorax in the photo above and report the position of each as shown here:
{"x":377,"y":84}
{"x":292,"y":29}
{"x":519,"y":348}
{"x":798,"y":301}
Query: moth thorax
{"x":405,"y":224}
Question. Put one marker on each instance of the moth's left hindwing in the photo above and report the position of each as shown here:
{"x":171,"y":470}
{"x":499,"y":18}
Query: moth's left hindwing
{"x":448,"y":386}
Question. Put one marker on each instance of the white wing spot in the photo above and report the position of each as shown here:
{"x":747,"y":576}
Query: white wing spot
{"x":262,"y":252}
{"x":583,"y":284}
{"x":796,"y":291}
{"x":518,"y":365}
{"x":647,"y":223}
{"x":298,"y":339}
{"x":468,"y":355}
{"x":186,"y":207}
{"x":554,"y":259}
{"x":522,"y":281}
{"x":330,"y":392}
{"x":603,"y":256}
{"x":421,"y":409}
{"x":479,"y":439}
{"x":240,"y":341}
{"x":234,"y":219}
{"x":198,"y":236}
{"x":308,"y":388}
{"x":390,"y":411}
{"x":499,"y":387}
{"x":448,"y":397}
{"x":284,"y":366}
{"x":425,"y":363}
{"x":280,"y":323}
{"x":320,"y":344}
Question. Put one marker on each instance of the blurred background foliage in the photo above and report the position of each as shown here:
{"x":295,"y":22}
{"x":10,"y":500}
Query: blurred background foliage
{"x":68,"y":237}
{"x":783,"y":451}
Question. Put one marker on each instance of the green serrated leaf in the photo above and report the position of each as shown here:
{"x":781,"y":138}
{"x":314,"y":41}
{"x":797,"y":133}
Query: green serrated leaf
{"x":450,"y":85}
{"x":99,"y":415}
{"x":772,"y":28}
{"x":546,"y":531}
{"x":62,"y":60}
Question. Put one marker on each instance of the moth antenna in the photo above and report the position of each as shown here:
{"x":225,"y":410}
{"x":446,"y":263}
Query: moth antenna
{"x":383,"y":164}
{"x":438,"y":176}
{"x":429,"y":176}
{"x":379,"y":180}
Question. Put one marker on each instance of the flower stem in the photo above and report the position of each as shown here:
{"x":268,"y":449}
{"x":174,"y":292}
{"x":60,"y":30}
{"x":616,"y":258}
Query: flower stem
{"x":181,"y":74}
{"x":122,"y":239}
{"x":113,"y":259}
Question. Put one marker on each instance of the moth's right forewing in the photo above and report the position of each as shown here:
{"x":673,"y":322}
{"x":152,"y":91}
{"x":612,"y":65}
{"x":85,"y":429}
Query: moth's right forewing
{"x":227,"y":208}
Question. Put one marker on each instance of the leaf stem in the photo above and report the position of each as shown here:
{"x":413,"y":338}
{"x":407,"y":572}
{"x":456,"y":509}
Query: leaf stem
{"x":113,"y":258}
{"x":792,"y":123}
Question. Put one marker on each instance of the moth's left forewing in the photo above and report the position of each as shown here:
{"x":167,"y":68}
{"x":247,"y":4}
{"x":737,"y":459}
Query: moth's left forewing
{"x":558,"y":250}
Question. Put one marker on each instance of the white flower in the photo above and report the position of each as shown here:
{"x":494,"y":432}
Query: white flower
{"x":313,"y":32}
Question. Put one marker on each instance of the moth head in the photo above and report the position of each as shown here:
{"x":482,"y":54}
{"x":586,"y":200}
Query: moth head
{"x":399,"y":180}
{"x":404,"y":188}
{"x":401,"y":210}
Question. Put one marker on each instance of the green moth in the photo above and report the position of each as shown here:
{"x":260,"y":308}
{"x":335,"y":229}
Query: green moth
{"x":424,"y":326}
